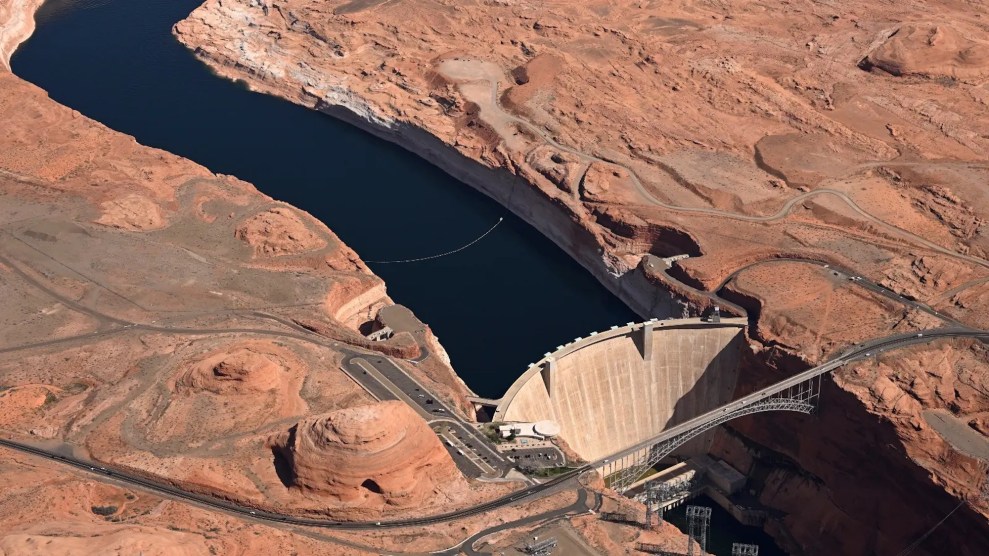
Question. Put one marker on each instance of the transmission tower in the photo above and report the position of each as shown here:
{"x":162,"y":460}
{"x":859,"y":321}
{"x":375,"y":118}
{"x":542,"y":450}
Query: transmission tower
{"x":739,"y":549}
{"x":698,"y":521}
{"x":659,"y":494}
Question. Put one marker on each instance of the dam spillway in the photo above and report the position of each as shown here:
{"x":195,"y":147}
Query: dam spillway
{"x":617,"y":388}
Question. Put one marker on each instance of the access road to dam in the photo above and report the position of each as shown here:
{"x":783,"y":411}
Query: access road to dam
{"x":565,"y":480}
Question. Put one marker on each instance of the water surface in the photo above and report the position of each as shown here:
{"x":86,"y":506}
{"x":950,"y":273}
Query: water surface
{"x":724,"y":530}
{"x":496,"y":306}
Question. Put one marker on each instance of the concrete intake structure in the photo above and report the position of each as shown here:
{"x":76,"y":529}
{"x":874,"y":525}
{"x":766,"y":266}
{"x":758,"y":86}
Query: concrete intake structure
{"x":615,"y":389}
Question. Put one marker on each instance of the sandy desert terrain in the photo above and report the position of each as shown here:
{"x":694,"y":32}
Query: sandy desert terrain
{"x":739,"y":133}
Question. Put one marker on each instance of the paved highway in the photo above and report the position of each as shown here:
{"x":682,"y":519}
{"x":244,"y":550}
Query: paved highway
{"x":564,"y":480}
{"x":109,"y":474}
{"x":383,"y":371}
{"x":384,"y":379}
{"x":379,"y":375}
{"x":581,"y":506}
{"x":851,"y":276}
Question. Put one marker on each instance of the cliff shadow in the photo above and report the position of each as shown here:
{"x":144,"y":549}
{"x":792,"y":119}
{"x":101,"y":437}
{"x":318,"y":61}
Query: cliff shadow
{"x":282,"y":459}
{"x":844,"y":473}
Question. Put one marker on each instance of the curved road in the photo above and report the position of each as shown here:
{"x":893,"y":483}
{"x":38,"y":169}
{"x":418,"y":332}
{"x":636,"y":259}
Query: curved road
{"x":780,"y":214}
{"x":562,"y":481}
{"x":565,"y":480}
{"x":225,"y":506}
{"x":850,"y":275}
{"x":578,"y":507}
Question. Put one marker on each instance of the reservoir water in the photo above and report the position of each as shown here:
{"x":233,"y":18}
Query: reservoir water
{"x":496,"y":306}
{"x":724,"y":530}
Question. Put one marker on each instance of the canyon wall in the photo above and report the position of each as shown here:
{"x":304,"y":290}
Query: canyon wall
{"x":864,"y":474}
{"x":737,"y":133}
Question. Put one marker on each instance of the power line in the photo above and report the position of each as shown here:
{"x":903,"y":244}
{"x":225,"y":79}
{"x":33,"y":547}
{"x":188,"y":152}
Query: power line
{"x":923,"y":537}
{"x":983,"y":494}
{"x":457,"y":250}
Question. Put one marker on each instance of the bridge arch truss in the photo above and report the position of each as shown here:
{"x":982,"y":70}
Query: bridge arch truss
{"x":624,"y":470}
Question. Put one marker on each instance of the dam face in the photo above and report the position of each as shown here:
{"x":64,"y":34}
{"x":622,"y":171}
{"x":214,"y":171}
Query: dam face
{"x":617,"y":388}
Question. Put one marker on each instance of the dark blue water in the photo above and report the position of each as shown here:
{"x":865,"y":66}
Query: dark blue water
{"x":496,"y":306}
{"x":724,"y":530}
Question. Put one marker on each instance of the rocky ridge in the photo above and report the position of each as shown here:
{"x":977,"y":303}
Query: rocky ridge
{"x":737,"y":133}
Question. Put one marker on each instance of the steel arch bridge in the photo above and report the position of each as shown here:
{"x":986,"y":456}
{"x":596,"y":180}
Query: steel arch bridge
{"x":622,"y":471}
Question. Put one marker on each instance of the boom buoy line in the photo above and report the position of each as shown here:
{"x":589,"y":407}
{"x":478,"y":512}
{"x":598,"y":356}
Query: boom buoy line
{"x":457,"y":250}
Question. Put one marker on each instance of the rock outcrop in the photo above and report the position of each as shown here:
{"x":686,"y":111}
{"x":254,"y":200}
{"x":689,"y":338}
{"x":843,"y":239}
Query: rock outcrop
{"x":278,"y":231}
{"x":931,"y":50}
{"x":372,"y":455}
{"x":235,"y":370}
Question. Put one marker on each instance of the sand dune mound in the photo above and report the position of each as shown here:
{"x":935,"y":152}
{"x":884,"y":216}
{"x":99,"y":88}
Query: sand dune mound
{"x":278,"y":231}
{"x":367,"y":455}
{"x":240,"y":371}
{"x":533,"y":78}
{"x":930,"y":50}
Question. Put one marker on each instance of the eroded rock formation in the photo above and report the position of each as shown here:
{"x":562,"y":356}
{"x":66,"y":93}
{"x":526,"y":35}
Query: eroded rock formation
{"x":932,"y":50}
{"x":369,"y":455}
{"x":278,"y":231}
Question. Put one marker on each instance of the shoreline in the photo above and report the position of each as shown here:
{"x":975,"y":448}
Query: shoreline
{"x":22,"y":15}
{"x":637,"y":289}
{"x":16,"y":26}
{"x":525,"y":201}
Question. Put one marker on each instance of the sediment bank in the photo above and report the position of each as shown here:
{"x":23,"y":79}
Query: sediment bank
{"x":16,"y":26}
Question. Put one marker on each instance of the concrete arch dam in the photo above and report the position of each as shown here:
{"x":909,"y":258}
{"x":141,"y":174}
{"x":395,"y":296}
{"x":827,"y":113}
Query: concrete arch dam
{"x":615,"y":389}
